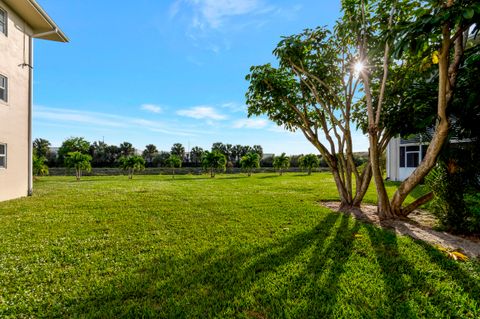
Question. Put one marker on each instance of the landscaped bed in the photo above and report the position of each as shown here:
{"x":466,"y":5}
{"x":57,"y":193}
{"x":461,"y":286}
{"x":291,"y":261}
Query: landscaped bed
{"x":259,"y":247}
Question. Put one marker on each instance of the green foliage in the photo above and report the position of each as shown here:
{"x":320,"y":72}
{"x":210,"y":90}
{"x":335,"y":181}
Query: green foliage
{"x":249,"y":162}
{"x":179,"y":150}
{"x":41,"y":147}
{"x":281,"y":163}
{"x":78,"y":161}
{"x":160,"y":159}
{"x":214,"y":161}
{"x":73,"y":144}
{"x":149,"y":153}
{"x":174,"y":161}
{"x":131,"y":164}
{"x":309,"y":162}
{"x":40,"y":167}
{"x":230,"y":247}
{"x":126,"y":149}
{"x":196,"y":154}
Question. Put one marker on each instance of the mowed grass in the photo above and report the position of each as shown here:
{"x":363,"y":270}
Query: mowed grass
{"x":229,"y":247}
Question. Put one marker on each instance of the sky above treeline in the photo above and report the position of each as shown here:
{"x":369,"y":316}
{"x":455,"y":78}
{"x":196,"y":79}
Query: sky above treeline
{"x":165,"y":72}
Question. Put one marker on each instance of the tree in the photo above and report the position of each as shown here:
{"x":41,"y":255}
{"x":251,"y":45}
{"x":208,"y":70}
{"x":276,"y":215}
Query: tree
{"x":309,"y":162}
{"x":160,"y":159}
{"x":281,"y":162}
{"x":249,"y":162}
{"x":79,"y":161}
{"x":112,"y":154}
{"x":213,"y":161}
{"x":179,"y":150}
{"x":40,"y":167}
{"x":173,"y":162}
{"x":313,"y":90}
{"x":73,"y":144}
{"x":236,"y":153}
{"x":258,"y":149}
{"x":126,"y":149}
{"x":41,"y":147}
{"x":196,"y":155}
{"x":436,"y":29}
{"x":149,"y":153}
{"x":131,"y":164}
{"x":98,"y":151}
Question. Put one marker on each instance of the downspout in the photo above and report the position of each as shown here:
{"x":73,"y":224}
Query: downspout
{"x":30,"y":109}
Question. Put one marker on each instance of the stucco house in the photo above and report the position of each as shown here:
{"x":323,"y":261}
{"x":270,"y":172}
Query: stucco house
{"x":21,"y":21}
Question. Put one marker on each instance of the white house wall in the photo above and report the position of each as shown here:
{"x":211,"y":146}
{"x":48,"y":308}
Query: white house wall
{"x":14,"y":51}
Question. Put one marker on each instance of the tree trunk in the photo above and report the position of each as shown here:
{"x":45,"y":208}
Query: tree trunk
{"x":383,"y":206}
{"x":445,"y":82}
{"x":309,"y":171}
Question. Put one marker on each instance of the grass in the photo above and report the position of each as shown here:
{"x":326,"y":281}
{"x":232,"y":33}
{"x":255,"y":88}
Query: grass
{"x":229,"y":247}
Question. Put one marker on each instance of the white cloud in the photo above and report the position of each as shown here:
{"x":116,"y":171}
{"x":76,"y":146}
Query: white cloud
{"x":96,"y":119}
{"x":235,"y":107}
{"x":214,"y":13}
{"x":250,"y":123}
{"x":202,"y":112}
{"x":151,"y":108}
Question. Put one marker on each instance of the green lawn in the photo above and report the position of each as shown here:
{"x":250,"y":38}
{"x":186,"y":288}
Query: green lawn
{"x":233,"y":246}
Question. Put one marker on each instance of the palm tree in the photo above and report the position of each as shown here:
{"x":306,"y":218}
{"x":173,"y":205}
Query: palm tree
{"x":196,"y":155}
{"x":309,"y":162}
{"x":149,"y":153}
{"x":174,"y":161}
{"x":213,"y":161}
{"x":126,"y":149}
{"x":281,"y":162}
{"x":39,"y":166}
{"x":179,"y":150}
{"x":131,"y":164}
{"x":249,"y":162}
{"x":79,"y":162}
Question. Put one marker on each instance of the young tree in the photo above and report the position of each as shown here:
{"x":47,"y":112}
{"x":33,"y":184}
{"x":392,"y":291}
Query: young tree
{"x":308,"y":162}
{"x":80,"y":162}
{"x":249,"y":162}
{"x":40,"y":167}
{"x":281,"y":163}
{"x":174,"y":161}
{"x":73,"y":144}
{"x":131,"y":164}
{"x":213,"y":161}
{"x":313,"y":91}
{"x":149,"y":153}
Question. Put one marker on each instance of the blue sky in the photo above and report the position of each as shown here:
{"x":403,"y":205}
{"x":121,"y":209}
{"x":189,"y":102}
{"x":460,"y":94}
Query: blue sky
{"x":163,"y":72}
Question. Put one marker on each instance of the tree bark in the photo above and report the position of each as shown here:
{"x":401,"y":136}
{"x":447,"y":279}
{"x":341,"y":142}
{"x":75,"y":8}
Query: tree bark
{"x":446,"y":82}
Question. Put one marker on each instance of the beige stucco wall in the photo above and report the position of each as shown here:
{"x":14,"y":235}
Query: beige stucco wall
{"x":14,"y":50}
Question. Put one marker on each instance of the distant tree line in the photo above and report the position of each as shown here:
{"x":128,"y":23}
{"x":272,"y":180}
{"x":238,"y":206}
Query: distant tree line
{"x":78,"y":154}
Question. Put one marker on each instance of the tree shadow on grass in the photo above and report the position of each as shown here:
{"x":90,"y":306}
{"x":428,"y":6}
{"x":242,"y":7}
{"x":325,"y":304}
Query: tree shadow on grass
{"x":214,"y":283}
{"x":405,"y":281}
{"x":302,"y":271}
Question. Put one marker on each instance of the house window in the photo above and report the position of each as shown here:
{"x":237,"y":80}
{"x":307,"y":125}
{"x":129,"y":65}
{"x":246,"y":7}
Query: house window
{"x":3,"y":88}
{"x":3,"y":155}
{"x":3,"y":21}
{"x":409,"y":156}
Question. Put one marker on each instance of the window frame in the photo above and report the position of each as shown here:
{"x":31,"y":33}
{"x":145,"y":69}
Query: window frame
{"x":5,"y":14}
{"x":4,"y":155}
{"x":5,"y":88}
{"x":407,"y":151}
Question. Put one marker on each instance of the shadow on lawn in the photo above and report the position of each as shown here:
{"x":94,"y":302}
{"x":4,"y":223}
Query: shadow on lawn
{"x":257,"y":281}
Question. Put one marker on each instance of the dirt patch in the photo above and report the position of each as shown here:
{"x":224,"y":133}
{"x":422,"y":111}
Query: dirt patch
{"x":418,"y":225}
